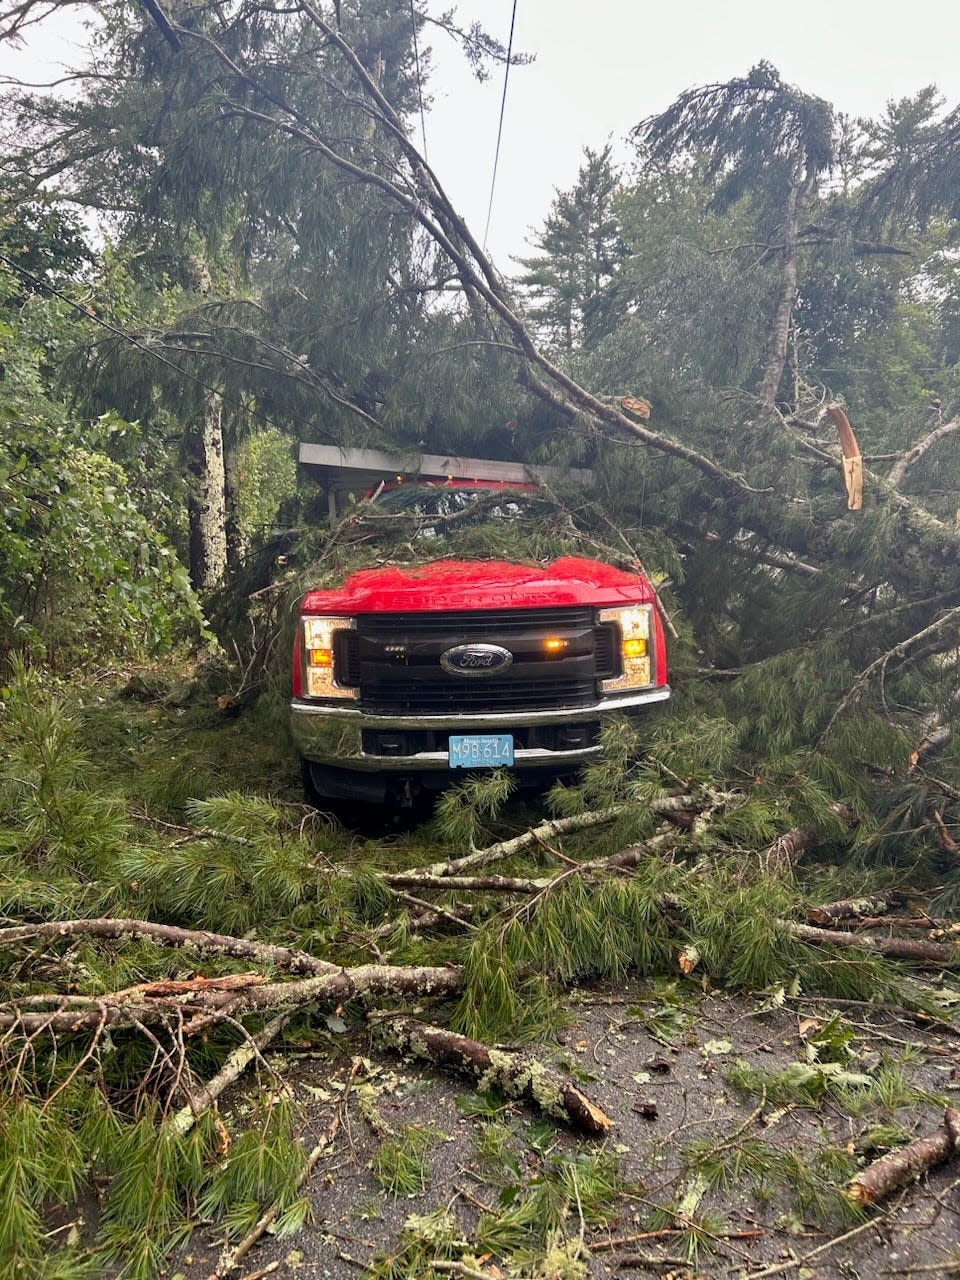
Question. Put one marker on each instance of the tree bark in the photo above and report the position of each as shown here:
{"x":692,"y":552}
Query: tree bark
{"x":897,"y":1168}
{"x":207,"y":500}
{"x":518,"y":1075}
{"x":872,"y":904}
{"x":896,"y":474}
{"x":799,"y":197}
{"x":932,"y":953}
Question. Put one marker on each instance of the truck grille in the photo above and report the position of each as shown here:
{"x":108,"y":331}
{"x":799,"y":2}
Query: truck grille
{"x":394,"y":661}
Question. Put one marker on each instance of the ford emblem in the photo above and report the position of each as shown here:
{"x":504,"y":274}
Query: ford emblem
{"x":475,"y":660}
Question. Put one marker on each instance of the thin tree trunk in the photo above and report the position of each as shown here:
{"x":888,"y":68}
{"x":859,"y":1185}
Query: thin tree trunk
{"x":231,"y":486}
{"x":798,"y":199}
{"x":207,"y":503}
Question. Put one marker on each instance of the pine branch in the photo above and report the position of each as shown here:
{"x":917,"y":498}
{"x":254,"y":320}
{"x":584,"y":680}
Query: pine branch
{"x":913,"y":455}
{"x":74,"y":1013}
{"x":880,"y":664}
{"x":231,"y":1071}
{"x":897,"y":1168}
{"x":933,"y":953}
{"x":167,"y":935}
{"x":547,"y":831}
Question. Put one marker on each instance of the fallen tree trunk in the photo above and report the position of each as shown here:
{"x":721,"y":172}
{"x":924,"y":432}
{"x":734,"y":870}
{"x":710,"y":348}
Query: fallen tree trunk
{"x":897,"y":1168}
{"x":518,"y":1075}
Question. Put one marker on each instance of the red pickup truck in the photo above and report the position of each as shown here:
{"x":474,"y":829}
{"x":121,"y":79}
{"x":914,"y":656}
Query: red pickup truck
{"x":406,"y":674}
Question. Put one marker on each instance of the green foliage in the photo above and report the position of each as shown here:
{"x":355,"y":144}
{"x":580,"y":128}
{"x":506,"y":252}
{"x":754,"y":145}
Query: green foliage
{"x":462,"y":809}
{"x":82,"y":571}
{"x":57,"y":821}
{"x":814,"y":1185}
{"x":400,"y":1164}
{"x":267,"y":478}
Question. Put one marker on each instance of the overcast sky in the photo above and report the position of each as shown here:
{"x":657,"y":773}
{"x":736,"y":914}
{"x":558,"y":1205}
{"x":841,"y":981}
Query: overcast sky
{"x":602,"y":65}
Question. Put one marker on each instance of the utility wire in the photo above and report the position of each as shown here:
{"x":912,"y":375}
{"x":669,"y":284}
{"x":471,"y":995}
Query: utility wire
{"x":416,"y":57}
{"x":503,"y":107}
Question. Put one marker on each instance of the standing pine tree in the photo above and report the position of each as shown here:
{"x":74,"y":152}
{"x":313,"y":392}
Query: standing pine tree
{"x":579,"y":249}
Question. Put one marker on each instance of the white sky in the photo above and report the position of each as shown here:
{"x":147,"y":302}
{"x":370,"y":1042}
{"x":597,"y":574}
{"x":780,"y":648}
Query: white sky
{"x":602,"y":65}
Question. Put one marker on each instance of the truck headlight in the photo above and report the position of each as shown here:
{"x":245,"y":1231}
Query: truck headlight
{"x":326,"y":657}
{"x":635,"y":625}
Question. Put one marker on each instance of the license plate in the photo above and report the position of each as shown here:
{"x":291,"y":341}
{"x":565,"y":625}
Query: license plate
{"x":480,"y":750}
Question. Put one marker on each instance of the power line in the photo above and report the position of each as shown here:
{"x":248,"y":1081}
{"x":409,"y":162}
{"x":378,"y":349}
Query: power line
{"x":503,"y":107}
{"x":416,"y":58}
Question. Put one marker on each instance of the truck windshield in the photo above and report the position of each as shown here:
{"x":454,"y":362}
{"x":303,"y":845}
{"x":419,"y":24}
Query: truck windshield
{"x":492,"y":503}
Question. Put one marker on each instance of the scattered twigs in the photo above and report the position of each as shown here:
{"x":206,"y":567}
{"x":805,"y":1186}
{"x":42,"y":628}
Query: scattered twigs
{"x":167,"y":935}
{"x":231,"y":1258}
{"x":897,"y":1168}
{"x":518,"y":1075}
{"x":935,"y":953}
{"x":795,"y":1263}
{"x":233,"y":1068}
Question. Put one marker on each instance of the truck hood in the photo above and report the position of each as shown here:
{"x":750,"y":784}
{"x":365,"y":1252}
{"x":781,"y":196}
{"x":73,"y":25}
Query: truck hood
{"x":480,"y":584}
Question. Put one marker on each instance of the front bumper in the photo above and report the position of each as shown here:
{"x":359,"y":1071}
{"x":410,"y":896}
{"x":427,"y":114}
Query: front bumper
{"x":334,"y":735}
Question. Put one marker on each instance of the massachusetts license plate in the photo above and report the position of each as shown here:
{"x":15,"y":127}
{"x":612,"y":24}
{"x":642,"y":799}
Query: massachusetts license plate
{"x":480,"y":750}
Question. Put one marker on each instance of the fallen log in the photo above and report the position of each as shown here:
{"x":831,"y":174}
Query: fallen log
{"x":787,"y":850}
{"x":516,"y":1074}
{"x":897,"y":1168}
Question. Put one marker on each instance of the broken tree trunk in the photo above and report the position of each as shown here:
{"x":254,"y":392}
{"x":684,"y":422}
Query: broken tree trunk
{"x":518,"y":1075}
{"x":897,"y":1168}
{"x":852,"y":461}
{"x":787,"y":850}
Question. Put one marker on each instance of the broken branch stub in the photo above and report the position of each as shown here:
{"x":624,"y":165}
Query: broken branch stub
{"x":897,"y":1168}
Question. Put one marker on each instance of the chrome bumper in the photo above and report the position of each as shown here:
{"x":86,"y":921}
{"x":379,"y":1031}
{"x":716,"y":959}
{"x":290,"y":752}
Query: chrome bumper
{"x":331,"y":735}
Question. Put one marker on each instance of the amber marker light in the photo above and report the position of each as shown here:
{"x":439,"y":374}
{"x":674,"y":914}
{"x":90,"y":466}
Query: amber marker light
{"x":321,"y":658}
{"x":634,"y":648}
{"x":553,"y":644}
